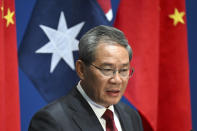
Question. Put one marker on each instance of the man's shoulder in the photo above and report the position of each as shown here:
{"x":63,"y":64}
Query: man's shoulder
{"x":129,"y":116}
{"x":60,"y":103}
{"x":54,"y":104}
{"x":125,"y":107}
{"x":58,"y":108}
{"x":128,"y":110}
{"x":54,"y":116}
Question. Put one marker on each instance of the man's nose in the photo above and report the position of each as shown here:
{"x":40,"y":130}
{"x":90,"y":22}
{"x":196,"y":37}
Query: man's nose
{"x":116,"y":79}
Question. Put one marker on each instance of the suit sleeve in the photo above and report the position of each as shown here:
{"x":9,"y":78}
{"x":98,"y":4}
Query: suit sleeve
{"x":43,"y":121}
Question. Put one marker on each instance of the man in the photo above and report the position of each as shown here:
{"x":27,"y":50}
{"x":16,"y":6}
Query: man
{"x":93,"y":105}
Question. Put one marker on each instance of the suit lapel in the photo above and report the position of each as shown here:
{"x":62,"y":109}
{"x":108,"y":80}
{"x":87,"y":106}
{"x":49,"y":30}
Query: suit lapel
{"x":87,"y":122}
{"x":83,"y":115}
{"x":126,"y":124}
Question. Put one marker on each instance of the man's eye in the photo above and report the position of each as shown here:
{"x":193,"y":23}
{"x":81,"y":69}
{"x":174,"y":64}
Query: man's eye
{"x":108,"y":70}
{"x":124,"y":70}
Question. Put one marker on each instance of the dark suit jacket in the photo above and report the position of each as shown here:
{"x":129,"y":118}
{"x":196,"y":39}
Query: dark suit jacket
{"x":73,"y":113}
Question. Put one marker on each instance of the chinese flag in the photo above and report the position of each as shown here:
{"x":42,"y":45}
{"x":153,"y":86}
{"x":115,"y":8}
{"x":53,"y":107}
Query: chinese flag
{"x":9,"y":90}
{"x":159,"y":88}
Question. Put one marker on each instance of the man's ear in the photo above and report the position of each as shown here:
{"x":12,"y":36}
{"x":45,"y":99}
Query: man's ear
{"x":80,"y":69}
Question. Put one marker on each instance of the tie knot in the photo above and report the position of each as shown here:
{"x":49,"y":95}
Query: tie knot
{"x":108,"y":115}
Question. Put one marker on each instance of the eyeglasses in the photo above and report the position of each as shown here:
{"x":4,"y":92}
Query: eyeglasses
{"x":111,"y":72}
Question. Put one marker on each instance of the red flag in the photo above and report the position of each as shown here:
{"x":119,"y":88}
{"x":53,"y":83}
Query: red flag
{"x":160,"y":86}
{"x":9,"y":90}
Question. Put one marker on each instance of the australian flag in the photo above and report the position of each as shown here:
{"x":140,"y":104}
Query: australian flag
{"x":49,"y":47}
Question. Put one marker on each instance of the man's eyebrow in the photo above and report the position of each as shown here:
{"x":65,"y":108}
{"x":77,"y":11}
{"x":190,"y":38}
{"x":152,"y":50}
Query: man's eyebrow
{"x":126,"y":64}
{"x":106,"y":64}
{"x":109,"y":64}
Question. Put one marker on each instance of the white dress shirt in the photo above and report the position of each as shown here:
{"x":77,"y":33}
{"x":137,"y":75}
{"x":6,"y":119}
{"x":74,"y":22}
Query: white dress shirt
{"x":99,"y":109}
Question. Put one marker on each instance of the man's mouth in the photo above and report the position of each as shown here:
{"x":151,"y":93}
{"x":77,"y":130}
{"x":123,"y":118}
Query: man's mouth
{"x":113,"y":93}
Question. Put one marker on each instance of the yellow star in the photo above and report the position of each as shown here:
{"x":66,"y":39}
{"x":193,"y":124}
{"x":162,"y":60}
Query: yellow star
{"x":177,"y":17}
{"x":9,"y":17}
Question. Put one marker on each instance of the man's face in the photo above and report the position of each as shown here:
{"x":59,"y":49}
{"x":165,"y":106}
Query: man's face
{"x":102,"y":89}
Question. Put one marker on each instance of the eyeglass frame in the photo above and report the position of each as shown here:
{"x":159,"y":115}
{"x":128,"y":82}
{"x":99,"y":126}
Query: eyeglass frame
{"x":114,"y":71}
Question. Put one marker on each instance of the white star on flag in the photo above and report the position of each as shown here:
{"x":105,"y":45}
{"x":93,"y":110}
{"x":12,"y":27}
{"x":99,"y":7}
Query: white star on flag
{"x":62,"y":42}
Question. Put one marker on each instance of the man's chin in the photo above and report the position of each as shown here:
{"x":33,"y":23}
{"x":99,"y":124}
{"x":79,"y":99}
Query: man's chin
{"x":113,"y":102}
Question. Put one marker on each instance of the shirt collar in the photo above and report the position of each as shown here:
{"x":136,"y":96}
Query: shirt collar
{"x":98,"y":109}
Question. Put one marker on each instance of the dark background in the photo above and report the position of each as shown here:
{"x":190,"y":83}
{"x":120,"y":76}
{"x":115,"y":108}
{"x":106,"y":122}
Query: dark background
{"x":31,"y":101}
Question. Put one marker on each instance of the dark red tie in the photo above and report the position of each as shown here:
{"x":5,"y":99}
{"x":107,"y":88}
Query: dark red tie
{"x":110,"y":124}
